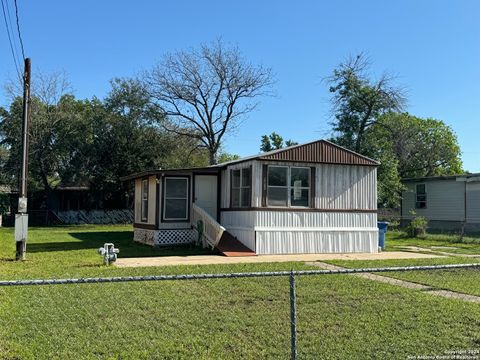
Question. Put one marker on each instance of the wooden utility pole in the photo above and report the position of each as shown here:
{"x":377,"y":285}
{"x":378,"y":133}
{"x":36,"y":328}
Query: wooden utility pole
{"x":21,"y":218}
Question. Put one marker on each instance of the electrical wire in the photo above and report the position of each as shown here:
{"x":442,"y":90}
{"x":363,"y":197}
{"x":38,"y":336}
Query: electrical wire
{"x":18,"y":29}
{"x":10,"y":41}
{"x":16,"y":44}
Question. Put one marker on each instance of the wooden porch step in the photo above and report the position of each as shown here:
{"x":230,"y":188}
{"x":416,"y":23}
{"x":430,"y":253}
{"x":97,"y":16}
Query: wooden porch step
{"x":230,"y":246}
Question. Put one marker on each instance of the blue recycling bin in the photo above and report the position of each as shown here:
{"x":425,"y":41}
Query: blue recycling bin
{"x":382,"y":230}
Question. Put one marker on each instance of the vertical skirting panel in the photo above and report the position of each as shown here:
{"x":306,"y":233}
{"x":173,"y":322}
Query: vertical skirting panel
{"x":308,"y":242}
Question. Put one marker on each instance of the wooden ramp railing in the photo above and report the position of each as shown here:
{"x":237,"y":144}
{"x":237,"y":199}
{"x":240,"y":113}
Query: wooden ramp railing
{"x":209,"y":231}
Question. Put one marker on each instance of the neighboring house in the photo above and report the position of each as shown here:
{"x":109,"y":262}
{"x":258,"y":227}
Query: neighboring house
{"x":448,"y":202}
{"x":311,"y":198}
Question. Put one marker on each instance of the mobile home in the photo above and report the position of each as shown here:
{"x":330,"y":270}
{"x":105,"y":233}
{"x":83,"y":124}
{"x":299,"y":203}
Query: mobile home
{"x":311,"y":198}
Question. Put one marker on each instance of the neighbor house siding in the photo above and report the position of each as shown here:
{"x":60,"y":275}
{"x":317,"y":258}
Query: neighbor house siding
{"x":473,"y":202}
{"x":445,"y":200}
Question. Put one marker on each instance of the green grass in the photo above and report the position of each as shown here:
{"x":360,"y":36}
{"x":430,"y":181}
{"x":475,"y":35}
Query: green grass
{"x":465,"y":281}
{"x":469,"y":245}
{"x":339,"y":316}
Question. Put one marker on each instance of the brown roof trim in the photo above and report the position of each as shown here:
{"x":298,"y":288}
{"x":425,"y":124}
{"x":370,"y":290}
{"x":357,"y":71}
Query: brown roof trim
{"x":156,"y":172}
{"x":321,"y":151}
{"x":318,"y":151}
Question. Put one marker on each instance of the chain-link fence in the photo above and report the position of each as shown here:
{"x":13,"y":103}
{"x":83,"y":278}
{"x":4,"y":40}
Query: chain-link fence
{"x":422,"y":312}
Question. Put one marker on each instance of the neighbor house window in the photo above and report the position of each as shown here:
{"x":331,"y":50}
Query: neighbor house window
{"x":241,"y":191}
{"x":288,"y":186}
{"x":144,"y":209}
{"x":175,"y":198}
{"x":421,"y":196}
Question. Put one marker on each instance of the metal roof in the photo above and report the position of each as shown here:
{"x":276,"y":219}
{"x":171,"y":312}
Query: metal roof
{"x":319,"y":151}
{"x":441,"y":177}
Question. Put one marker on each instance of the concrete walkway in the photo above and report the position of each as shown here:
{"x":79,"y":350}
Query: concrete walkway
{"x":218,"y":259}
{"x":437,"y":250}
{"x":405,"y":284}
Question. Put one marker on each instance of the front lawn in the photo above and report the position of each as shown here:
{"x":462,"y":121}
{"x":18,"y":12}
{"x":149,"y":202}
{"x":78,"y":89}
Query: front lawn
{"x":398,"y":240}
{"x":339,"y":316}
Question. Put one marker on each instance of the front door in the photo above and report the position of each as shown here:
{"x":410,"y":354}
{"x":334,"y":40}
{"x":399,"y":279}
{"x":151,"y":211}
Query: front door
{"x":206,"y":193}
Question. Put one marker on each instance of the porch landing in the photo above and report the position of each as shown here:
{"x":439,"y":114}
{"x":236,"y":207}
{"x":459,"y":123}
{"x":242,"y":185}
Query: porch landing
{"x":218,"y":259}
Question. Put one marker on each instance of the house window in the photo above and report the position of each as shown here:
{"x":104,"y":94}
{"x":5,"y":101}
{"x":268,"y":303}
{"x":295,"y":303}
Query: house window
{"x":175,"y":198}
{"x":241,"y":188}
{"x":288,"y":186}
{"x":421,"y":196}
{"x":144,"y":209}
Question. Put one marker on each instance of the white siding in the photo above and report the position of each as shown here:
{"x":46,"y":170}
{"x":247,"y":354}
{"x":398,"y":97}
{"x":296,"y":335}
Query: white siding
{"x":278,"y":232}
{"x":282,"y":232}
{"x":337,"y":186}
{"x":445,"y":200}
{"x":346,"y":187}
{"x":240,"y":224}
{"x":473,"y":202}
{"x":300,"y":219}
{"x":257,"y":186}
{"x":273,"y":242}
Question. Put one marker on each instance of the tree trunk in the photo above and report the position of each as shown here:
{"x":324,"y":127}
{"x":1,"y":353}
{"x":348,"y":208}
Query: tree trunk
{"x":212,"y":157}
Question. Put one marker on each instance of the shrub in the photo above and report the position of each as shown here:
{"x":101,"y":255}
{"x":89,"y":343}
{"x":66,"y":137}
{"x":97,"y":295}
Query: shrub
{"x":418,"y":225}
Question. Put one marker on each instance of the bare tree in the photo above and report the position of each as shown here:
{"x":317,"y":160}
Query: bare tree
{"x":358,"y":101}
{"x":205,"y":92}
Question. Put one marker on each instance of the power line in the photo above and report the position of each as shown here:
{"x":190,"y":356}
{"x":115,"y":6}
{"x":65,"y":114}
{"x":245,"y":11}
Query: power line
{"x":18,"y":29}
{"x":10,"y":41}
{"x":15,"y":40}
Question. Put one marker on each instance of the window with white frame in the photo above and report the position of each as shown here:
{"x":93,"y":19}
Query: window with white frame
{"x":175,"y":198}
{"x":241,"y":191}
{"x":144,"y":207}
{"x":420,"y":196}
{"x":288,"y":186}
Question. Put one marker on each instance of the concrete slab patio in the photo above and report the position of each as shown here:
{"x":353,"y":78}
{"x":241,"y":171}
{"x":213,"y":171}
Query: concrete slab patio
{"x":218,"y":259}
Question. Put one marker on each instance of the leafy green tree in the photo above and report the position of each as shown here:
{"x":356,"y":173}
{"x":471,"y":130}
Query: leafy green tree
{"x":409,"y":146}
{"x":225,"y":157}
{"x":358,"y":101}
{"x":91,"y":142}
{"x":273,"y":142}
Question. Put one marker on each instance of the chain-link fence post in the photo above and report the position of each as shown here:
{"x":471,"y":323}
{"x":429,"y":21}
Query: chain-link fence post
{"x":293,"y":317}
